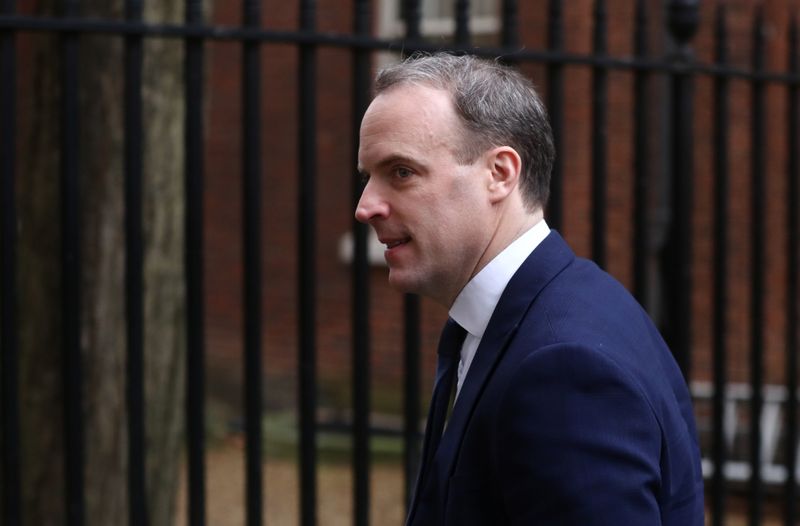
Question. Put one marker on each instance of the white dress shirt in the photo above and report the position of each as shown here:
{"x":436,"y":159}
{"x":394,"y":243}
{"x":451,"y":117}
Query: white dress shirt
{"x":476,"y":302}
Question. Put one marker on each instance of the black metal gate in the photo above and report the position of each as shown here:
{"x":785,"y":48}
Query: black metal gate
{"x":676,"y":70}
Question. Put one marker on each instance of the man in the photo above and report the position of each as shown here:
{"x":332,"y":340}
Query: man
{"x":569,"y":408}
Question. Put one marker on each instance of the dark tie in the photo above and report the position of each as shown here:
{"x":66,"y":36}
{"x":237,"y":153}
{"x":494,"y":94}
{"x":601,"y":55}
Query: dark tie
{"x":449,"y":352}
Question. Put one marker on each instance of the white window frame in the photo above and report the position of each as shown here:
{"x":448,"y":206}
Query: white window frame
{"x":390,"y":25}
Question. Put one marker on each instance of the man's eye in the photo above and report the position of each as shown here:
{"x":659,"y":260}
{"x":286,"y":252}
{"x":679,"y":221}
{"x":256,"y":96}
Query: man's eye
{"x":402,"y":172}
{"x":363,"y":177}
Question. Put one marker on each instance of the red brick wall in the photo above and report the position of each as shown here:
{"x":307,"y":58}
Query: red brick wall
{"x":740,"y":19}
{"x":335,"y":161}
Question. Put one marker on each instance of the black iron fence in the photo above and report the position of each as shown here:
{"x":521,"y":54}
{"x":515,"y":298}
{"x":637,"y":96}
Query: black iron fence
{"x":675,"y":68}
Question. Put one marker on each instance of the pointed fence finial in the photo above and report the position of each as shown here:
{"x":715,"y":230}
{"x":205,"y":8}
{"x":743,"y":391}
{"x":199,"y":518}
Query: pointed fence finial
{"x":683,"y":17}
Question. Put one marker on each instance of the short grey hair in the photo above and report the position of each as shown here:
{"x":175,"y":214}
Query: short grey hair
{"x":497,"y":105}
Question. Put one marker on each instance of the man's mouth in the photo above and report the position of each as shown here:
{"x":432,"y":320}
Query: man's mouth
{"x":392,"y":243}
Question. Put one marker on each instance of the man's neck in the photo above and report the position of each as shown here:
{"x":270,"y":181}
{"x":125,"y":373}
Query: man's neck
{"x":509,"y":228}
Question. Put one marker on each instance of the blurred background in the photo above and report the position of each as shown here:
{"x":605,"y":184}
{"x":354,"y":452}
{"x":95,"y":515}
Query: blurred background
{"x":195,"y":331}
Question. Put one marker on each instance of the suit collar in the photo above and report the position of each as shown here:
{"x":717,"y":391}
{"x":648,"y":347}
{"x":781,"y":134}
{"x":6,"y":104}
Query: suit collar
{"x":543,"y":264}
{"x":477,"y":301}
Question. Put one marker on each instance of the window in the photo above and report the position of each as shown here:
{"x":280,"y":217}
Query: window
{"x":438,"y":19}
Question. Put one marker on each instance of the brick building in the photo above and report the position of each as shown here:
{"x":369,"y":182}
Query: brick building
{"x":335,"y":150}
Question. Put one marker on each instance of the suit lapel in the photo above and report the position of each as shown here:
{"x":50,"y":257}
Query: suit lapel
{"x":544,"y":263}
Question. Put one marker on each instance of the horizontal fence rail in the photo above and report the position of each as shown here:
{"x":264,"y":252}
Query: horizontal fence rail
{"x":349,"y":41}
{"x":771,"y":419}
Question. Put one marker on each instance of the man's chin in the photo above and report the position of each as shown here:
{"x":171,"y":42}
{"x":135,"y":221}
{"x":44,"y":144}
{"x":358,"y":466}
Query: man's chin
{"x":402,"y":282}
{"x":415,"y":283}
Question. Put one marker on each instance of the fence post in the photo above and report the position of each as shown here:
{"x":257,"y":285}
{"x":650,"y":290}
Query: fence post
{"x":134,"y":269}
{"x":599,"y":137}
{"x":758,"y":261}
{"x":720,"y":295}
{"x":362,"y":80}
{"x":194,"y":267}
{"x":793,"y":266}
{"x":251,"y":255}
{"x":307,"y":286}
{"x":10,"y":466}
{"x":74,"y":445}
{"x":555,"y":105}
{"x":411,"y":332}
{"x":682,"y":20}
{"x":641,"y":162}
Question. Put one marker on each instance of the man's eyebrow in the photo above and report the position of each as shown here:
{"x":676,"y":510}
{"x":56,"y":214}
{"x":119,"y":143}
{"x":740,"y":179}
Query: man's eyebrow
{"x":389,"y":161}
{"x":392,"y":160}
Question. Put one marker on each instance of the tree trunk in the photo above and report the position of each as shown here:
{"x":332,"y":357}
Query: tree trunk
{"x":103,"y":349}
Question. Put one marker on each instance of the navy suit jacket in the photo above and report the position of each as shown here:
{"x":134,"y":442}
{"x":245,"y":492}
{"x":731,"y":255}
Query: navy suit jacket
{"x":573,"y":412}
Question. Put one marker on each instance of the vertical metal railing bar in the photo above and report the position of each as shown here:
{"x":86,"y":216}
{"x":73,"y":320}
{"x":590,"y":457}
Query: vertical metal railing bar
{"x":792,"y":278}
{"x":411,"y":323}
{"x":411,"y":368}
{"x":555,"y":103}
{"x":195,"y":382}
{"x":683,"y":20}
{"x":71,"y":275}
{"x":599,"y":137}
{"x":509,"y":35}
{"x":640,"y":159}
{"x":462,"y":38}
{"x":251,"y":224}
{"x":360,"y":276}
{"x":720,"y":296}
{"x":9,"y":346}
{"x":307,"y":148}
{"x":137,"y":503}
{"x":757,"y":266}
{"x":412,"y":16}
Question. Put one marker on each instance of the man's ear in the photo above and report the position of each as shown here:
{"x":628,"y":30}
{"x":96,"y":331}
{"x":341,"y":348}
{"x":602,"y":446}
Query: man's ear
{"x":505,"y":166}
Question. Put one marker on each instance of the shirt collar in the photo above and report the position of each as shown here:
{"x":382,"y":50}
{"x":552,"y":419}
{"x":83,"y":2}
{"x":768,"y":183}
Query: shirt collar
{"x":476,"y":302}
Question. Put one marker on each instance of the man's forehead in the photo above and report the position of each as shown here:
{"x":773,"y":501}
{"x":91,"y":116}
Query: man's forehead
{"x":380,"y":146}
{"x":408,"y":121}
{"x":409,"y":109}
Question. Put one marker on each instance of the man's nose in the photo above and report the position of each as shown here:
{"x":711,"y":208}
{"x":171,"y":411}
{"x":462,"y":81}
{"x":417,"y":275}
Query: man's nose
{"x":371,"y":205}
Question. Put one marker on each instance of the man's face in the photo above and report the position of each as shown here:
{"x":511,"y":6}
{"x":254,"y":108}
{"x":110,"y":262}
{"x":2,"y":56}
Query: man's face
{"x":432,"y":213}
